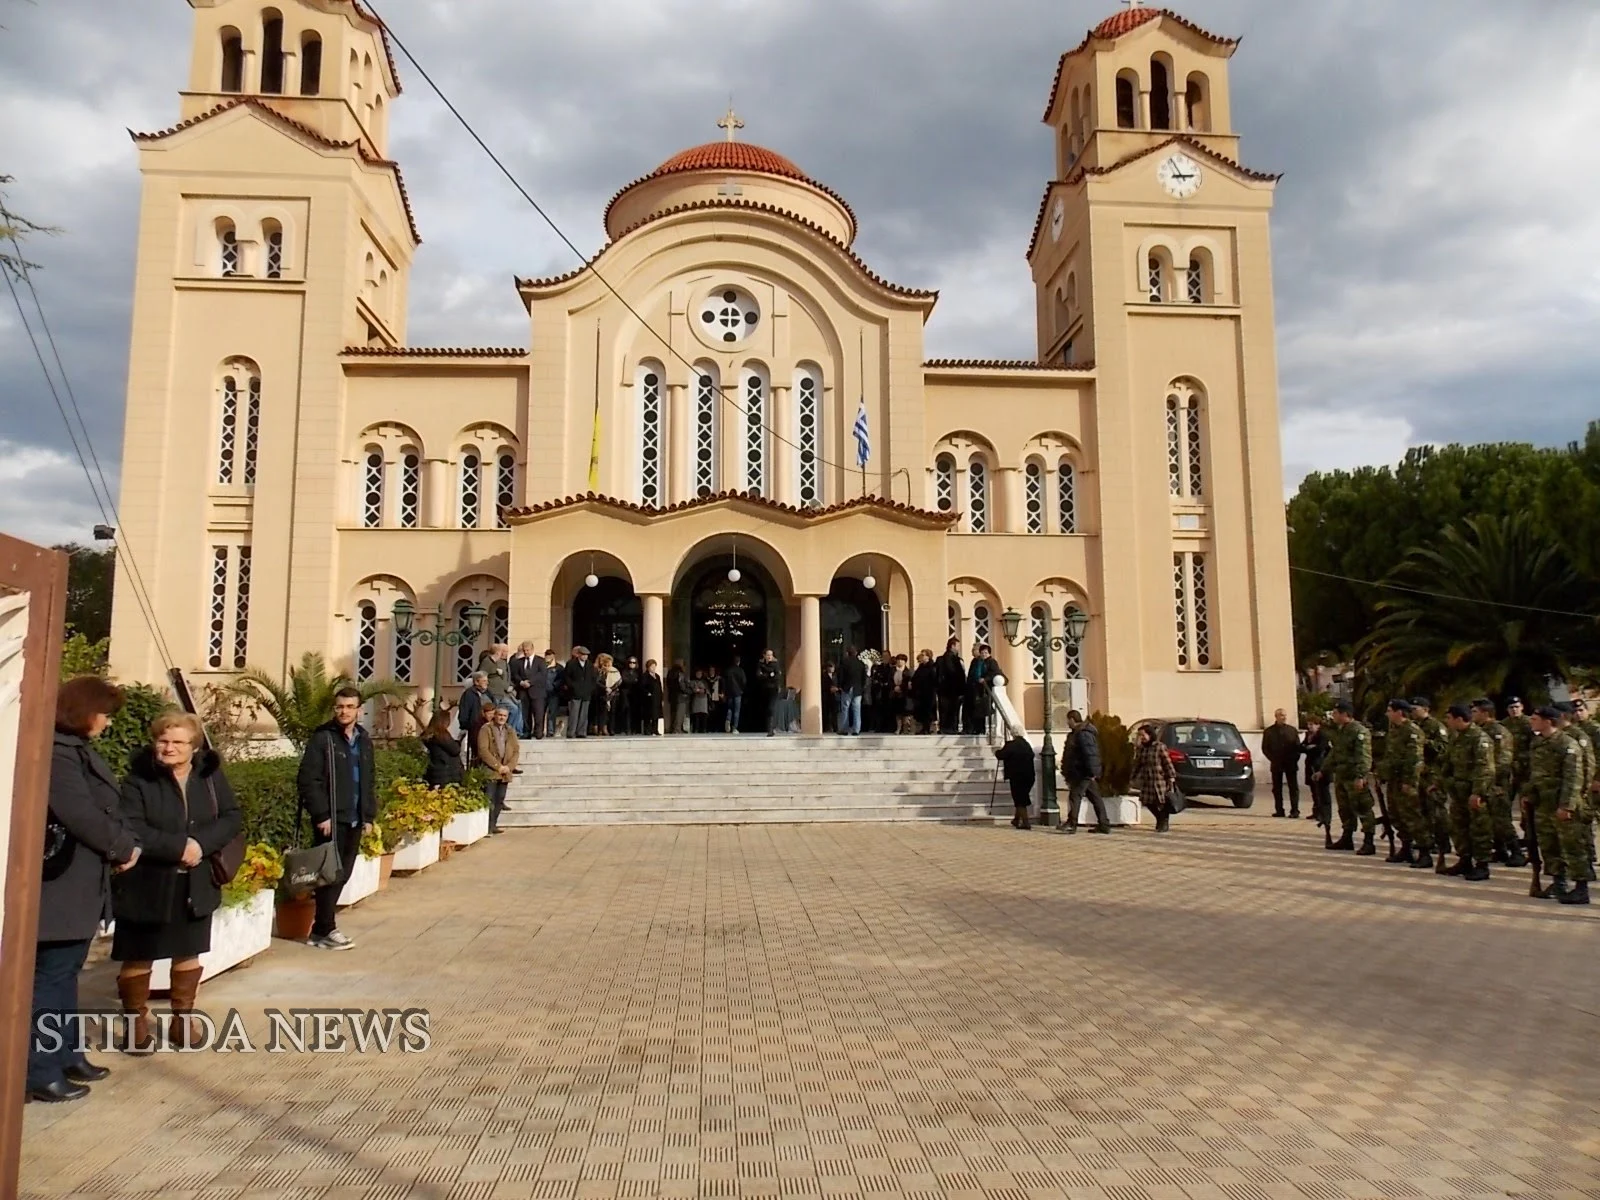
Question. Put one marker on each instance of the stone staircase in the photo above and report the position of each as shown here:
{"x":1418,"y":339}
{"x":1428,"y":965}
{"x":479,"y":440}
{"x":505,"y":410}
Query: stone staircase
{"x":723,"y":779}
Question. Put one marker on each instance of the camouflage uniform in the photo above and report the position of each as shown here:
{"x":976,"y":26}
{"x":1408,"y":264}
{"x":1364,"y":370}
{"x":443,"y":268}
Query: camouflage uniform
{"x":1586,"y":778}
{"x":1555,"y":771}
{"x":1435,"y":805}
{"x":1505,"y":833}
{"x":1350,"y":762}
{"x":1469,"y":770}
{"x":1521,"y":743}
{"x":1400,"y":770}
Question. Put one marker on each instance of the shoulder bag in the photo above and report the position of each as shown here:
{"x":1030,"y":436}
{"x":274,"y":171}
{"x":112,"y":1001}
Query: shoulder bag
{"x":225,"y":863}
{"x":59,"y":847}
{"x":307,"y":868}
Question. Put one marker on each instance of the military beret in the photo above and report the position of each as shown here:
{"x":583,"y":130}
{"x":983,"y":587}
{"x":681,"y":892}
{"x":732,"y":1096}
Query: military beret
{"x":1565,"y":707}
{"x":1510,"y":700}
{"x":1420,"y":702}
{"x":1344,"y":706}
{"x":1548,"y":713}
{"x":1403,"y":706}
{"x":1460,"y":712}
{"x":1483,"y":702}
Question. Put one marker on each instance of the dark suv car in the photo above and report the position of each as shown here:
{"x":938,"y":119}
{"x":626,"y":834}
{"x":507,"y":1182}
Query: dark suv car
{"x":1210,"y":757}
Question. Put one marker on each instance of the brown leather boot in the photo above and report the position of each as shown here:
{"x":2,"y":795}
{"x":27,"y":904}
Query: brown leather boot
{"x":134,"y":991}
{"x":181,"y":1030}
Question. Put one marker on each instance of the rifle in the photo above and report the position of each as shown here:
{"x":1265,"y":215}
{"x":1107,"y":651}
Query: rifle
{"x":1531,"y":830}
{"x":1383,"y":810}
{"x":1322,"y":808}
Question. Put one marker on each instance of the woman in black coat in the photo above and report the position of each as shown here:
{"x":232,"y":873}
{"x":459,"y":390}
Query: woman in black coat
{"x":178,"y":802}
{"x":444,"y":753}
{"x":648,"y":700}
{"x":85,"y":839}
{"x":925,"y":691}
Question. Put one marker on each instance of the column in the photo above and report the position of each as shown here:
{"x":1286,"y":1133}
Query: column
{"x":784,"y":489}
{"x":730,"y":437}
{"x":1144,"y":110}
{"x":811,"y":665}
{"x":436,"y":493}
{"x":1014,"y":665}
{"x":1010,"y":495}
{"x":1180,"y":106}
{"x":654,"y":643}
{"x":678,"y":455}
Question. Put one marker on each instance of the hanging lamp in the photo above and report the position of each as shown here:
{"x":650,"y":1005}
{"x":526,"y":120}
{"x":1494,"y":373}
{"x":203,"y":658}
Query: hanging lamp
{"x":733,"y":571}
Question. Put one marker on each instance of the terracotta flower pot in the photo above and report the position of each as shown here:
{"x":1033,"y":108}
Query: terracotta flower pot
{"x":446,"y":849}
{"x":296,"y":916}
{"x":385,"y":867}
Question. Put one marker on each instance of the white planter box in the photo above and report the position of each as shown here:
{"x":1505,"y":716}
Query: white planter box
{"x":465,"y":828}
{"x":363,"y":881}
{"x":414,"y":855}
{"x":1120,"y":810}
{"x":237,"y":933}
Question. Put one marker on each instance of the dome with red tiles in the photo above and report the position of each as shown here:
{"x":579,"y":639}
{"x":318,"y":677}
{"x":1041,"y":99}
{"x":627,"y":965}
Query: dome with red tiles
{"x":729,"y":156}
{"x":1125,"y":21}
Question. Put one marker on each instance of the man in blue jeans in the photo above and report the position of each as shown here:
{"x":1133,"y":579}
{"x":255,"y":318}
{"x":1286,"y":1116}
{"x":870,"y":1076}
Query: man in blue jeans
{"x":849,"y":678}
{"x":735,"y":682}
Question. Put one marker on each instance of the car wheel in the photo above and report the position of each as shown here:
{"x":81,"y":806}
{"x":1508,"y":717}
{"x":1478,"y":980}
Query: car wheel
{"x":1244,"y":801}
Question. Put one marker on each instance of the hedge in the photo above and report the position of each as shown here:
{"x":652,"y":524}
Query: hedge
{"x":268,"y":796}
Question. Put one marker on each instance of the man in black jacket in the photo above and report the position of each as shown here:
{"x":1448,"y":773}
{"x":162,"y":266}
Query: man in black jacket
{"x":770,"y":677}
{"x":1314,"y":749}
{"x":850,"y":677}
{"x":1080,"y":767}
{"x":1280,"y":745}
{"x":337,"y":785}
{"x":735,"y":682}
{"x":952,"y":676}
{"x":530,"y":684}
{"x":579,"y":679}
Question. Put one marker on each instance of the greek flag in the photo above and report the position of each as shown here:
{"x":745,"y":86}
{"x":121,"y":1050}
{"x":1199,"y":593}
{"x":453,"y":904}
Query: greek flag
{"x":863,"y":437}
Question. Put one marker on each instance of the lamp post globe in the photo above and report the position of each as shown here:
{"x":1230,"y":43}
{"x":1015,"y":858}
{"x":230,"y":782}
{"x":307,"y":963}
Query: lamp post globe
{"x":1011,"y":622}
{"x":405,"y":617}
{"x":474,"y":615}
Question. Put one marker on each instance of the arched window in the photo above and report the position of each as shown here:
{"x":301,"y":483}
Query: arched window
{"x":1072,"y":652}
{"x":228,"y":437}
{"x":1067,"y":495}
{"x":466,"y":652}
{"x":944,"y":483}
{"x":310,"y":64}
{"x":978,"y":496}
{"x":500,"y":623}
{"x":981,"y":629}
{"x":808,"y":413}
{"x":271,"y":51}
{"x":471,"y":487}
{"x":756,"y":474}
{"x":410,"y":488}
{"x":1036,"y":642}
{"x":505,"y":491}
{"x":232,"y":79}
{"x":1196,"y":282}
{"x":241,"y":611}
{"x":372,"y":488}
{"x":954,"y":614}
{"x":1160,"y":93}
{"x":1156,"y":279}
{"x":227,"y":249}
{"x":706,"y":396}
{"x":1185,"y":453}
{"x":273,"y":237}
{"x":1033,"y":496}
{"x":1063,"y":314}
{"x":1127,"y":100}
{"x":1192,"y":611}
{"x":218,"y":630}
{"x":366,"y":641}
{"x":1069,"y":135}
{"x":241,"y":388}
{"x":252,"y":428}
{"x":402,"y":657}
{"x":652,"y":421}
{"x":1198,"y":101}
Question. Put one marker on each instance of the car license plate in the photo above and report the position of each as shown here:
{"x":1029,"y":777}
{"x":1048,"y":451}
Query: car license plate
{"x":1208,"y":764}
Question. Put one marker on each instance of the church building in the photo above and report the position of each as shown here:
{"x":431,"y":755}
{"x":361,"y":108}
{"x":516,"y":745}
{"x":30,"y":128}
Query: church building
{"x":724,"y":435}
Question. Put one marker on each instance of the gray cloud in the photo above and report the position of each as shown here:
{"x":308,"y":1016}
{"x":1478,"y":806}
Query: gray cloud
{"x":1433,"y":252}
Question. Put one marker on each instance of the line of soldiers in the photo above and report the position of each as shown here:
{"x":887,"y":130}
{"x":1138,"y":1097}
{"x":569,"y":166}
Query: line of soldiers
{"x":1439,"y":785}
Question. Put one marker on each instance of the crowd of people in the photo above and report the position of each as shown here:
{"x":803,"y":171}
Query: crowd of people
{"x":1523,"y":791}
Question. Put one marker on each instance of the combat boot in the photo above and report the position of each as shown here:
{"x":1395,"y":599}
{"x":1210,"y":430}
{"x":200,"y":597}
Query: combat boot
{"x":1367,"y":850}
{"x":1347,"y":841}
{"x":1578,"y":895}
{"x":1556,"y":890}
{"x":1459,"y":869}
{"x":1423,"y":861}
{"x":1515,"y":857}
{"x":1477,"y":872}
{"x":1401,"y":853}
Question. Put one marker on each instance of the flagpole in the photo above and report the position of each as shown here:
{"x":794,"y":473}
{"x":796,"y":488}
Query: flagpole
{"x":594,"y":434}
{"x":861,"y":365}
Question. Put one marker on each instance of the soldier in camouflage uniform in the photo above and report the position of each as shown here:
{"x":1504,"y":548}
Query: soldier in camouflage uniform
{"x":1400,"y":770}
{"x":1435,"y":804}
{"x":1469,"y":770}
{"x":1350,"y":762}
{"x":1521,"y":743}
{"x":1507,"y":844}
{"x":1555,"y":772}
{"x":1582,"y":718}
{"x":1573,"y":728}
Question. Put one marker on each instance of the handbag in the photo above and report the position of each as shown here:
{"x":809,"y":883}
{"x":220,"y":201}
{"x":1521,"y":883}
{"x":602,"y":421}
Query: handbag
{"x":1175,"y":801}
{"x":308,"y":868}
{"x":225,"y":863}
{"x":59,"y":847}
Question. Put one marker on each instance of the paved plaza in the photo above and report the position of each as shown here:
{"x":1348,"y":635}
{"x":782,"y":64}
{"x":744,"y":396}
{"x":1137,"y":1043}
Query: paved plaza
{"x":1227,"y":1013}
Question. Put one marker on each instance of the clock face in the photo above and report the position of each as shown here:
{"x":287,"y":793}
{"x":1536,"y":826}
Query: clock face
{"x":1180,"y":175}
{"x":1058,"y":218}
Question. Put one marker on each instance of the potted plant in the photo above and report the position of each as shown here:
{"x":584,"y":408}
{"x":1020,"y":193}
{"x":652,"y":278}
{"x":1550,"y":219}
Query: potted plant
{"x":414,"y":817}
{"x":469,"y":813}
{"x":365,"y":872}
{"x":242,"y":927}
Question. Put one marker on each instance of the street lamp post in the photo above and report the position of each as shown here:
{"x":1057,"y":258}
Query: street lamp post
{"x":1076,"y":625}
{"x":405,"y":617}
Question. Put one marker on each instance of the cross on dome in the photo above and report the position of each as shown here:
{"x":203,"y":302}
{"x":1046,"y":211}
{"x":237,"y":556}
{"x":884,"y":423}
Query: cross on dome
{"x":731,"y":123}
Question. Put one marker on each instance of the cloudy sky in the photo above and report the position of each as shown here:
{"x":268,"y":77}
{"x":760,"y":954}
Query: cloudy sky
{"x":1437,"y":236}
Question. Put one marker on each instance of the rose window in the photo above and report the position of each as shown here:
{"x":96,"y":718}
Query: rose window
{"x":729,"y":315}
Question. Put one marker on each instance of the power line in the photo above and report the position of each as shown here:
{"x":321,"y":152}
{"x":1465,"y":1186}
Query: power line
{"x":1396,"y":587}
{"x":568,"y":242}
{"x":105,"y":503}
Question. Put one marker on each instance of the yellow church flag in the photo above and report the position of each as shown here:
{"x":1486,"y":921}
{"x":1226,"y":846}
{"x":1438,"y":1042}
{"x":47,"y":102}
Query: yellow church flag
{"x":594,"y":453}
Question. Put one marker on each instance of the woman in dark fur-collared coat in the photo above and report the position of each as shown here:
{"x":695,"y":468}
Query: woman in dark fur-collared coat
{"x":1153,"y":775}
{"x":179,"y":803}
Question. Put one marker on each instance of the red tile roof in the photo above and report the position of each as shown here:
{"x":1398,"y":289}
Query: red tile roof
{"x":1125,"y":21}
{"x":736,"y":203}
{"x":1120,"y":23}
{"x":434,"y":352}
{"x":304,"y":130}
{"x":868,"y":503}
{"x":1002,"y":364}
{"x":383,"y":36}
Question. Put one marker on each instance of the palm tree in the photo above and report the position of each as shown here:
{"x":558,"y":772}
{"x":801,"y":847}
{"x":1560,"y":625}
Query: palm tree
{"x":1493,"y":608}
{"x":305,"y":700}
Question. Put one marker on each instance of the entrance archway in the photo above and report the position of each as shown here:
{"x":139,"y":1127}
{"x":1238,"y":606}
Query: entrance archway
{"x":852,"y":615}
{"x":714,"y":618}
{"x":609,"y":619}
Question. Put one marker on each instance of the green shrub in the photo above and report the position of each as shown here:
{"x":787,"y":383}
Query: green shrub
{"x":394,"y":765}
{"x":129,"y":731}
{"x":267,"y":797}
{"x":1116,"y":753}
{"x":1314,"y":706}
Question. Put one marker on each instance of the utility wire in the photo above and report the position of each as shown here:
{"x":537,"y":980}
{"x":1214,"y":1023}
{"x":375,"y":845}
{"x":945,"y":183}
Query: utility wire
{"x":102,"y":495}
{"x":556,"y":229}
{"x":1395,"y":587}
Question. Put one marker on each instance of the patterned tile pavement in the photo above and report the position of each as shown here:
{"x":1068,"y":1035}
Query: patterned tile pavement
{"x":1226,"y":1013}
